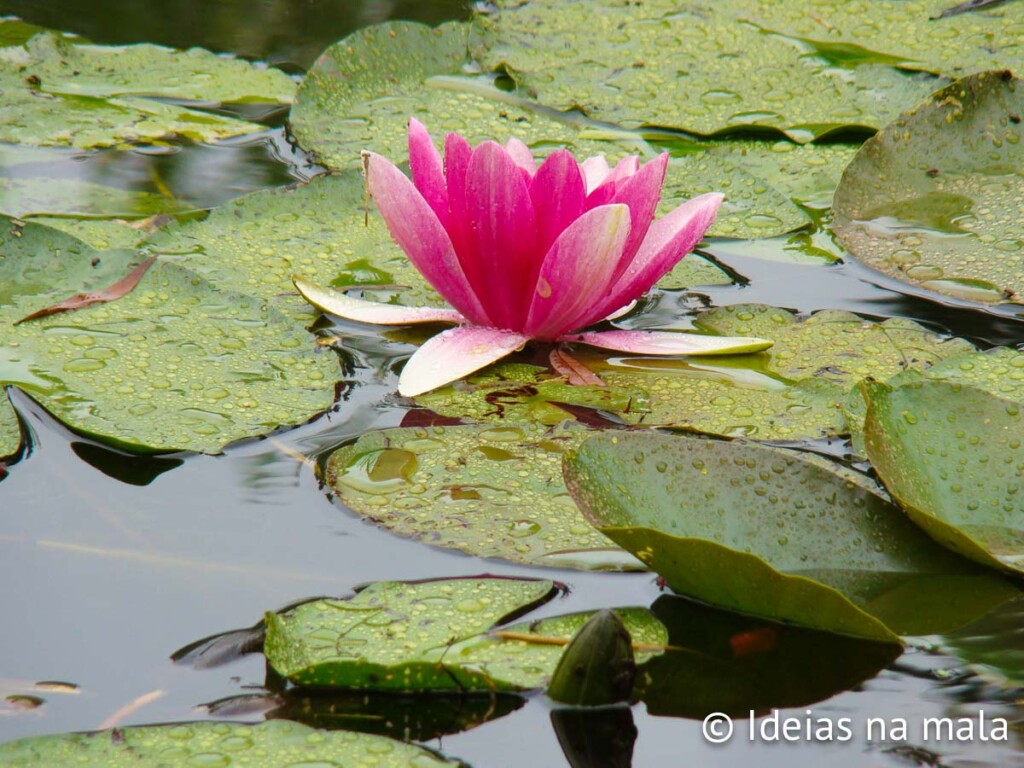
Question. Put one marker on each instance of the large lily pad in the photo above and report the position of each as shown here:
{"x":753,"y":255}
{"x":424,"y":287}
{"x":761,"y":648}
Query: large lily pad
{"x":934,"y":200}
{"x":489,"y":491}
{"x":176,"y":364}
{"x":796,"y":389}
{"x":911,"y":35}
{"x":770,"y":533}
{"x":277,"y":742}
{"x":951,"y":455}
{"x":430,"y":635}
{"x":992,"y":644}
{"x":608,"y":59}
{"x":360,"y":94}
{"x":57,"y":92}
{"x":720,"y":661}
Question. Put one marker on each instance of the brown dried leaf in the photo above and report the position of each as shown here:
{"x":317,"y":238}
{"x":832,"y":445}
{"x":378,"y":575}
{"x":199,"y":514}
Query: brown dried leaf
{"x":110,"y":293}
{"x":575,"y":372}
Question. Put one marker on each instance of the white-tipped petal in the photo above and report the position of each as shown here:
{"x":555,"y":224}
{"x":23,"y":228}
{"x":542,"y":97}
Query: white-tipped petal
{"x":622,"y":311}
{"x":455,"y":353}
{"x":595,"y":170}
{"x":363,"y":311}
{"x":669,"y":343}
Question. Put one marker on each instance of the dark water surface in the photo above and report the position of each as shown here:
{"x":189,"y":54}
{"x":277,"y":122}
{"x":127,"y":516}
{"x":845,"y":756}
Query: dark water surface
{"x":111,"y":562}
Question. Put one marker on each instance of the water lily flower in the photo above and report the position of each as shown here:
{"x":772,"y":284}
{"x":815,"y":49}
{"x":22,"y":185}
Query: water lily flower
{"x":525,"y":252}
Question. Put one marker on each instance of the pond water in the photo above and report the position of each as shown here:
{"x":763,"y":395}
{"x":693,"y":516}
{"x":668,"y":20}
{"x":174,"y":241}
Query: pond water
{"x":111,"y":562}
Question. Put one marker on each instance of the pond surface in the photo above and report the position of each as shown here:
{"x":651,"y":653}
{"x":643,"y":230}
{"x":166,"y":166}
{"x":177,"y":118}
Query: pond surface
{"x":112,"y":562}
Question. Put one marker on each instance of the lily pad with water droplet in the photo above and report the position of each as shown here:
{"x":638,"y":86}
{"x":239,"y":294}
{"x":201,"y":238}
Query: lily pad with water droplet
{"x":10,"y":430}
{"x":64,"y":93}
{"x":491,"y":491}
{"x":952,"y":456}
{"x":277,"y":742}
{"x":771,"y":533}
{"x":608,"y":60}
{"x":431,"y":635}
{"x":796,"y":389}
{"x":361,"y":92}
{"x":934,"y":200}
{"x":177,"y":364}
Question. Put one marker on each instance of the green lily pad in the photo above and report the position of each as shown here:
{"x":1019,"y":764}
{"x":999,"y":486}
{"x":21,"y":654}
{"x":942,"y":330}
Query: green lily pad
{"x":10,"y":429}
{"x":429,"y":635}
{"x":608,"y":59}
{"x":597,"y":667}
{"x":720,"y":661}
{"x":177,"y":364}
{"x":951,"y":455}
{"x":360,"y":94}
{"x":796,"y":389}
{"x":934,"y":199}
{"x":768,"y":532}
{"x":488,"y":491}
{"x":276,"y":742}
{"x":992,"y":644}
{"x":101,"y":234}
{"x":320,"y":231}
{"x":58,"y":92}
{"x":907,"y":35}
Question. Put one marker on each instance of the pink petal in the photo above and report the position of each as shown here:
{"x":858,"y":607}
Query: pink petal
{"x":521,"y":155}
{"x":604,"y":192}
{"x":641,"y":192}
{"x":453,"y":354}
{"x":456,"y":161}
{"x":595,"y":170}
{"x":363,"y":311}
{"x":427,"y":171}
{"x":669,"y":239}
{"x":577,"y":271}
{"x":502,"y":233}
{"x":418,"y":232}
{"x":669,"y":343}
{"x":558,"y":192}
{"x":622,"y":310}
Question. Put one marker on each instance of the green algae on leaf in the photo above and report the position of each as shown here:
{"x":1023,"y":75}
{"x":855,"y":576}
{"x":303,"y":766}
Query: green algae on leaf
{"x":934,"y":200}
{"x":432,"y":635}
{"x":771,"y":533}
{"x":951,"y":456}
{"x":64,"y":93}
{"x":608,"y":60}
{"x":177,"y":364}
{"x":276,"y":743}
{"x":491,"y":491}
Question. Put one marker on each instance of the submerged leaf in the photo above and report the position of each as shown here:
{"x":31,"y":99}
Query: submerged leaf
{"x":489,"y":491}
{"x":277,"y":742}
{"x":771,"y":533}
{"x":951,"y":456}
{"x":597,"y":667}
{"x":933,"y":199}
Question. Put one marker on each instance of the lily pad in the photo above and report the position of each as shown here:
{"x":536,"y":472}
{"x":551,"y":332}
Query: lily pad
{"x":360,"y":94}
{"x":489,"y":491}
{"x":910,"y":35}
{"x":768,"y":532}
{"x":10,"y":429}
{"x":430,"y":635}
{"x":177,"y":364}
{"x":277,"y":742}
{"x":992,"y":644}
{"x":794,"y":390}
{"x":607,"y":59}
{"x":720,"y":661}
{"x":934,"y":200}
{"x":951,"y":455}
{"x":58,"y":92}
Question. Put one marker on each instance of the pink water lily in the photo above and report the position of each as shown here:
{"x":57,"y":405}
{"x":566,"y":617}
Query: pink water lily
{"x":525,"y":252}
